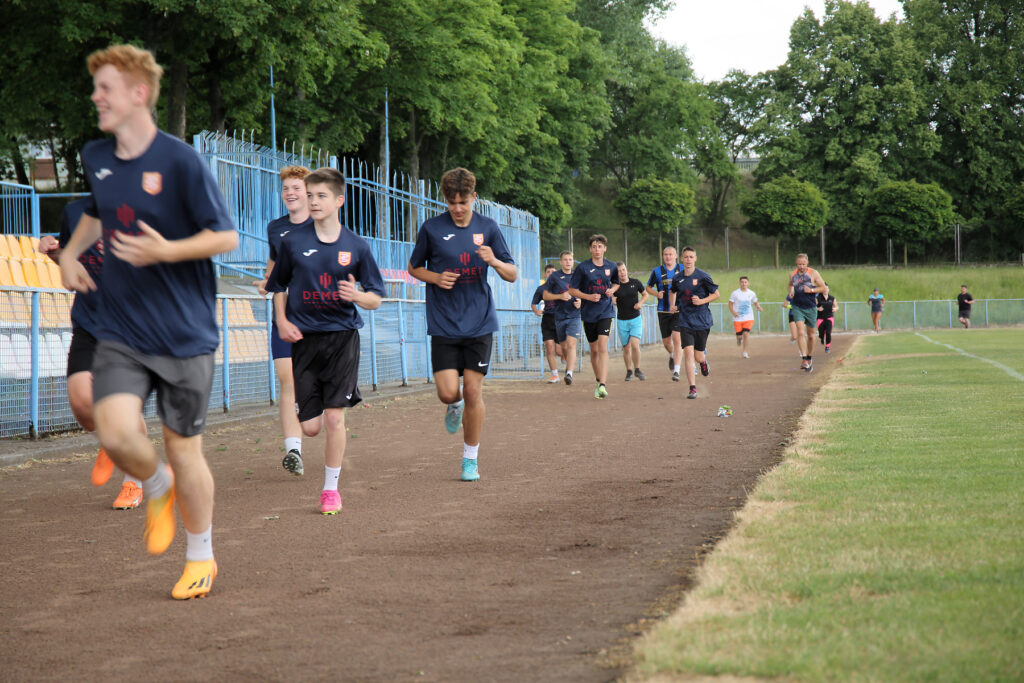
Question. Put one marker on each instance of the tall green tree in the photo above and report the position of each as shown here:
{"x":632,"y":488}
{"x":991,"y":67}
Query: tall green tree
{"x":911,"y":213}
{"x":786,"y":207}
{"x":652,"y":206}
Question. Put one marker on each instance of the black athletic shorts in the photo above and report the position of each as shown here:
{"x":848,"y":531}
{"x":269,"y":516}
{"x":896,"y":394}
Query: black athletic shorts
{"x":325,"y":366}
{"x":547,"y":328}
{"x":964,"y":314}
{"x":182,"y":385}
{"x":668,"y":322}
{"x":596,"y":329}
{"x":698,"y":339}
{"x":81,"y":352}
{"x":471,"y":353}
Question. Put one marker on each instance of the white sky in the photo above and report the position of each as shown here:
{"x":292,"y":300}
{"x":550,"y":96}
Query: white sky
{"x":749,"y":35}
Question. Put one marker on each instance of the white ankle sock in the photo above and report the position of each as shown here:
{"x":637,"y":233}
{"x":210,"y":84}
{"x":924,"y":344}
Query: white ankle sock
{"x":199,"y":547}
{"x":331,"y":476}
{"x":678,"y":368}
{"x":130,"y":478}
{"x":293,"y":443}
{"x":469,"y":452}
{"x":158,"y":484}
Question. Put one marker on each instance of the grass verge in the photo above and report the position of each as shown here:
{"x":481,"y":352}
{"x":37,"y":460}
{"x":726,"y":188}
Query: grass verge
{"x":888,"y":544}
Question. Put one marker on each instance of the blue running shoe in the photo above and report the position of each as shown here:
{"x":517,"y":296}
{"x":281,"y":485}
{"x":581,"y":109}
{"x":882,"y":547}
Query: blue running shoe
{"x":453,"y":416}
{"x":469,"y":471}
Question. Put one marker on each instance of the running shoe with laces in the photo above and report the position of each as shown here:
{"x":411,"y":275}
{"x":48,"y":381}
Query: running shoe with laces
{"x":469,"y":470}
{"x":602,"y":391}
{"x":130,"y":496}
{"x":102,"y":469}
{"x":803,"y":364}
{"x":160,"y":523}
{"x":828,"y":350}
{"x":810,"y":366}
{"x":553,"y":379}
{"x":453,"y":416}
{"x":693,"y":393}
{"x":330,"y":502}
{"x":568,"y":379}
{"x":675,"y":376}
{"x":293,"y":462}
{"x":629,"y":375}
{"x":705,"y":369}
{"x":746,"y":355}
{"x":196,"y":580}
{"x":640,"y":375}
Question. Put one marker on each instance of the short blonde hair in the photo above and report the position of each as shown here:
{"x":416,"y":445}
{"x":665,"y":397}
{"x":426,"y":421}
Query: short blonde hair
{"x":297,"y":172}
{"x":137,"y":65}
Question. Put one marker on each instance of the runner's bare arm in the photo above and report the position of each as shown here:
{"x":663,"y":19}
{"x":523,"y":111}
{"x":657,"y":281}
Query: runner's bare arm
{"x":72,"y":273}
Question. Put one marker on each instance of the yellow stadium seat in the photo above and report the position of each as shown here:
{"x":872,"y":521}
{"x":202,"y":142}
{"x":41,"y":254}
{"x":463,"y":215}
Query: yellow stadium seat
{"x":54,"y":270}
{"x":28,"y":267}
{"x":9,"y":246}
{"x":16,"y":309}
{"x":5,"y":271}
{"x":28,"y":249}
{"x":53,"y":310}
{"x":17,"y":274}
{"x":240,"y":313}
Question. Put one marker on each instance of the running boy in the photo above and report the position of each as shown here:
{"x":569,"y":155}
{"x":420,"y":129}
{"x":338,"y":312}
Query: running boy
{"x":453,"y":254}
{"x":161,"y":216}
{"x":964,"y":300}
{"x":293,"y":193}
{"x":804,"y":284}
{"x":593,"y":283}
{"x":692,"y":291}
{"x":567,"y":312}
{"x":314,"y":280}
{"x":552,"y":350}
{"x":630,"y":303}
{"x":742,"y":303}
{"x":826,"y":318}
{"x":659,"y":284}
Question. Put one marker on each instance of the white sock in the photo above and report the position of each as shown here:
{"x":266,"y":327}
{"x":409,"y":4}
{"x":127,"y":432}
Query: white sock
{"x":199,"y":547}
{"x":470,"y":452}
{"x":130,"y":478}
{"x":568,"y":372}
{"x":678,"y":368}
{"x":293,"y":443}
{"x":331,"y":476}
{"x":456,"y":404}
{"x":554,"y":373}
{"x":158,"y":484}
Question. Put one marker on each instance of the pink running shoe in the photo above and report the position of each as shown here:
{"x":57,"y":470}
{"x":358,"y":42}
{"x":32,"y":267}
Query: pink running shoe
{"x":330,"y":503}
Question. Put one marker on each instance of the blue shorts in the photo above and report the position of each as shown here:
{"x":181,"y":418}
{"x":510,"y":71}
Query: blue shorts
{"x":279,"y":348}
{"x":569,"y":327}
{"x":630,"y":328}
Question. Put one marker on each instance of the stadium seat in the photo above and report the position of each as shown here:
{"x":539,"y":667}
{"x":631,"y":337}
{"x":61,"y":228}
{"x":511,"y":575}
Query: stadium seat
{"x":28,"y":247}
{"x":240,"y":313}
{"x":52,"y":357}
{"x":55,"y":311}
{"x":5,"y":271}
{"x":31,"y":274}
{"x":9,"y":246}
{"x":16,"y":309}
{"x":22,"y":355}
{"x":17,"y":274}
{"x":54,"y":270}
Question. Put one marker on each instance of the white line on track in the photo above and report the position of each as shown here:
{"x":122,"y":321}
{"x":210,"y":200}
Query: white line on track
{"x":1008,"y":370}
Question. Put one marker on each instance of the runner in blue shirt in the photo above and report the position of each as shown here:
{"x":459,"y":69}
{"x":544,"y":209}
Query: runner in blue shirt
{"x":314,"y":280}
{"x":293,"y":193}
{"x":162,"y":217}
{"x":692,"y":291}
{"x":659,"y":284}
{"x":877,"y":302}
{"x":595,"y":282}
{"x":567,"y":311}
{"x":453,"y":254}
{"x":552,"y":349}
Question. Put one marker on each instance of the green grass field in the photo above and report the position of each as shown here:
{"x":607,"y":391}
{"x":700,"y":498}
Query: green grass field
{"x":888,"y":545}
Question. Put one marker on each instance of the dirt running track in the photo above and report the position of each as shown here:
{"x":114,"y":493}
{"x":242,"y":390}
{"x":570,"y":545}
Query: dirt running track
{"x":587,"y":524}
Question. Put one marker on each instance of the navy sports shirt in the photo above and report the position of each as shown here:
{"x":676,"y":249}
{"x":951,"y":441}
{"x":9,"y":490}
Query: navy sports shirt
{"x":686,"y":286}
{"x":538,"y":299}
{"x":85,"y":311}
{"x":467,"y":309}
{"x":310,"y":269}
{"x":278,"y":228}
{"x":165,"y":309}
{"x":557,"y":283}
{"x":798,"y":281}
{"x":661,"y":280}
{"x":591,"y":279}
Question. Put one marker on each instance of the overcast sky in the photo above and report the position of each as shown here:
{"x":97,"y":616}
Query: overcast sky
{"x":750,"y":35}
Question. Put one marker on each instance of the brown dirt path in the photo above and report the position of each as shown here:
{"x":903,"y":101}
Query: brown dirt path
{"x":589,"y":520}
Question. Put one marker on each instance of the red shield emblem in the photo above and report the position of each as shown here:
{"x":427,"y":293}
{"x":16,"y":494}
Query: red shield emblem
{"x":152,"y":183}
{"x":607,"y":272}
{"x":478,"y":238}
{"x":344,"y":257}
{"x":694,"y":282}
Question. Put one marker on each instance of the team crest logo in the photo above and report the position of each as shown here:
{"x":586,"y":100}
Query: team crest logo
{"x":694,"y":282}
{"x":344,"y":257}
{"x":478,"y":238}
{"x":607,"y":272}
{"x":152,"y":183}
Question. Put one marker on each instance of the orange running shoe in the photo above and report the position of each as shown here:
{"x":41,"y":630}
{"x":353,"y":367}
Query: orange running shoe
{"x":102,"y":468}
{"x":130,"y":496}
{"x":160,"y":522}
{"x":196,"y":580}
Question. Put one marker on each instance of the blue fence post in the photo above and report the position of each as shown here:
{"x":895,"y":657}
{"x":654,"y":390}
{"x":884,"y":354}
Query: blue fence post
{"x":373,"y":349}
{"x":226,"y":364}
{"x":33,"y":405}
{"x":34,"y":203}
{"x":402,"y":343}
{"x":271,"y":371}
{"x":986,"y":312}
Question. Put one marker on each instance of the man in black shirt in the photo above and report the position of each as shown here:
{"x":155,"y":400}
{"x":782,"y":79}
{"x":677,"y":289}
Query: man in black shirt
{"x":963,"y":304}
{"x":629,"y":302}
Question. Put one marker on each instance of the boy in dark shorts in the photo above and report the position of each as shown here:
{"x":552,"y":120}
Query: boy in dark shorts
{"x":293,"y":194}
{"x":593,"y":282}
{"x":162,"y":217}
{"x":659,"y":284}
{"x":963,"y":307}
{"x":692,"y":291}
{"x":314,"y":280}
{"x":567,"y":312}
{"x":548,"y":334}
{"x":452,"y":255}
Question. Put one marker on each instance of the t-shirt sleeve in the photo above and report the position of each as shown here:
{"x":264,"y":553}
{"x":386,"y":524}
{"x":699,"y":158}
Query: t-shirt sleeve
{"x":500,"y":247}
{"x":538,"y":295}
{"x":418,"y":258}
{"x":271,"y":245}
{"x":369,"y":273}
{"x":577,"y":278}
{"x":653,"y":280}
{"x":203,"y":198}
{"x":709,"y":284}
{"x":281,"y":275}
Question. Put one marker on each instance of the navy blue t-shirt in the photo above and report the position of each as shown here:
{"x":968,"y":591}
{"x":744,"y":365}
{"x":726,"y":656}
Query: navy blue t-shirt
{"x":466,"y":310}
{"x":278,"y":228}
{"x":538,"y":298}
{"x":165,"y":309}
{"x":558,"y":282}
{"x":591,"y":279}
{"x":661,"y":281}
{"x":310,"y":270}
{"x":686,"y":286}
{"x":86,"y":309}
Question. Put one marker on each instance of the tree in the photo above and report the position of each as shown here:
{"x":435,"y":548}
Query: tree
{"x":656,"y":207}
{"x":910,"y":213}
{"x":786,"y":207}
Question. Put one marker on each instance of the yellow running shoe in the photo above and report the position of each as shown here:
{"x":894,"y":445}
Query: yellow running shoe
{"x":196,"y":580}
{"x":160,"y":521}
{"x":102,"y":469}
{"x":129,"y":498}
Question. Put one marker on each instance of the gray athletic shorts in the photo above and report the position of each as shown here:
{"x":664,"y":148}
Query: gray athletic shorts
{"x":182,"y":385}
